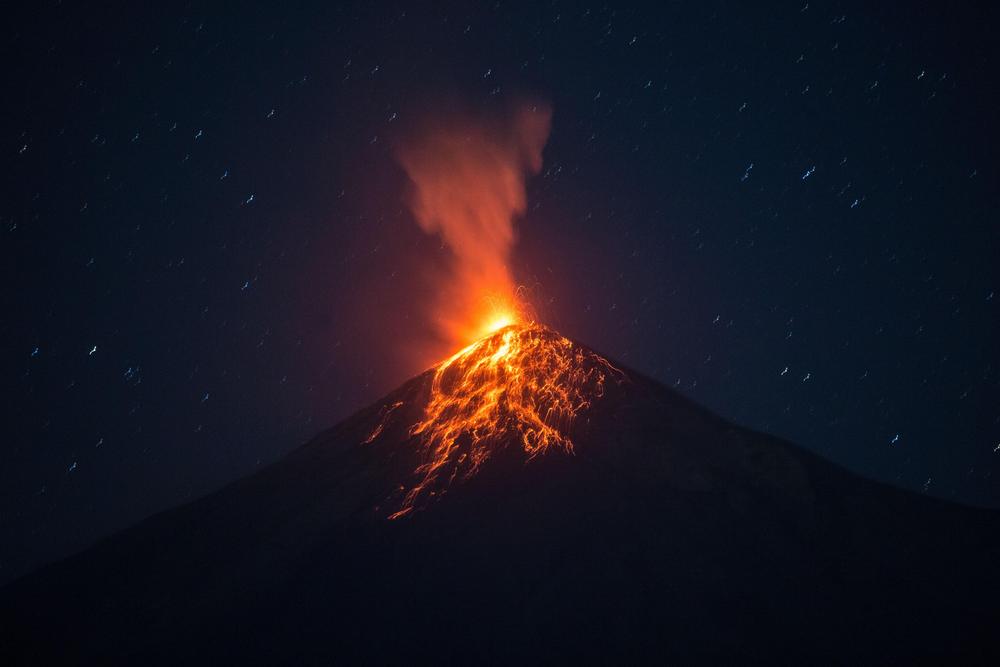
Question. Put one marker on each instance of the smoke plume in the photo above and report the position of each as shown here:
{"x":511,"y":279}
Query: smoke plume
{"x":467,"y":178}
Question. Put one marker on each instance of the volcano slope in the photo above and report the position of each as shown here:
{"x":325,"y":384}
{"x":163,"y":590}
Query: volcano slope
{"x":654,"y":530}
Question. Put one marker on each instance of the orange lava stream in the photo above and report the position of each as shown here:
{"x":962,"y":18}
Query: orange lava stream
{"x":523,"y":384}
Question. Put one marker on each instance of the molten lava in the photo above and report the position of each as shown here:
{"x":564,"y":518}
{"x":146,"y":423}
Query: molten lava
{"x":521,"y":386}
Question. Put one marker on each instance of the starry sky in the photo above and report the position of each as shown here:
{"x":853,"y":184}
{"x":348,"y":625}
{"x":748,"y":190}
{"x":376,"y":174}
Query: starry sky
{"x":789,"y":214}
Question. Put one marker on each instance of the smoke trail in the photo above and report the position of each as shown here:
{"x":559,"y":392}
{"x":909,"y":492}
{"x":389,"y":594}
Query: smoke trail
{"x":467,"y":185}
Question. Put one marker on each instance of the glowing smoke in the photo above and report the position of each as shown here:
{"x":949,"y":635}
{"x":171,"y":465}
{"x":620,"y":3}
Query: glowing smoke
{"x":467,"y":185}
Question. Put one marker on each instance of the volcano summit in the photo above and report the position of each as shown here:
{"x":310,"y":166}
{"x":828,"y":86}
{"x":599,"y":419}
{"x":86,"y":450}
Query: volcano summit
{"x":522,"y":387}
{"x":528,"y":499}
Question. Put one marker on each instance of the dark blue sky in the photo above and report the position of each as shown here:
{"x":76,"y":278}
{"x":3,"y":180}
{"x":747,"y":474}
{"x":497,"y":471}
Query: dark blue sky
{"x":790,"y":214}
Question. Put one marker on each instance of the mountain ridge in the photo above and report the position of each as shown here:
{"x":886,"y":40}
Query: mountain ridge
{"x":667,"y":531}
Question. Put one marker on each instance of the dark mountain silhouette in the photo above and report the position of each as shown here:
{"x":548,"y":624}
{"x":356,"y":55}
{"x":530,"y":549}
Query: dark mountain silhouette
{"x":668,"y":533}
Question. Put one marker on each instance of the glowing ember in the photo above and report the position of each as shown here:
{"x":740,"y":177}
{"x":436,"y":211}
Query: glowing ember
{"x":521,"y":386}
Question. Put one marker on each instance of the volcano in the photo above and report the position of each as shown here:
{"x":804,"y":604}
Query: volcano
{"x":528,"y":500}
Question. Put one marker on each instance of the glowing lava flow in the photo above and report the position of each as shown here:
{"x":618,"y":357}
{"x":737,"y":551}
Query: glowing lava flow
{"x":522,"y":385}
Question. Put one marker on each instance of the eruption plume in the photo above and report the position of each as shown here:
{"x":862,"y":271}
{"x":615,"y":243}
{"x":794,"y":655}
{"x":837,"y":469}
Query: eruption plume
{"x":467,"y":185}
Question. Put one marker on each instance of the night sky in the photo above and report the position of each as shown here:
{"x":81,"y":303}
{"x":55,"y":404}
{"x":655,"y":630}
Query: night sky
{"x":790,"y":215}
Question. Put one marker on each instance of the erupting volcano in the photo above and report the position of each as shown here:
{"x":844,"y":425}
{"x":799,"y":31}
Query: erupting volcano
{"x":524,"y":500}
{"x":518,"y":383}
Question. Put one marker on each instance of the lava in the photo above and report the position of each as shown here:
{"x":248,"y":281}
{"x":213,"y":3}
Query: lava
{"x":521,"y":386}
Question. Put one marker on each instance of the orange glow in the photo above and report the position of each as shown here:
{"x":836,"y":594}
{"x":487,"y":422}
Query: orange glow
{"x":466,"y":184}
{"x":499,"y":322}
{"x":521,"y":386}
{"x":497,"y":313}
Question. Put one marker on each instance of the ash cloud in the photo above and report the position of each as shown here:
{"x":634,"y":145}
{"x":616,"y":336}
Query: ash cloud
{"x":467,"y":184}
